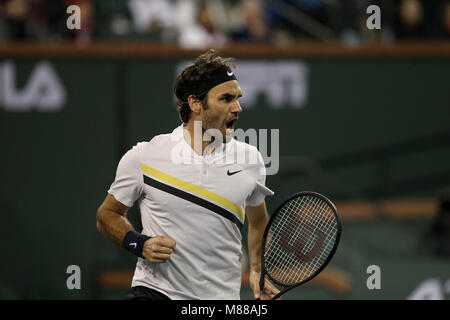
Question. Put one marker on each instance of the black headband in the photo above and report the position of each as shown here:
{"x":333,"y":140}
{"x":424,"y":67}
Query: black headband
{"x":219,"y":76}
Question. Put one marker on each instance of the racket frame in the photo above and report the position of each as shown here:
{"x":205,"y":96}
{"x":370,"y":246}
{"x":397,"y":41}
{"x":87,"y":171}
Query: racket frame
{"x":286,"y":288}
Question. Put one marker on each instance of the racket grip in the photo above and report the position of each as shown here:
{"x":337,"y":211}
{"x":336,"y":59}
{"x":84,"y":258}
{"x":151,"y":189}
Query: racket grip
{"x":261,"y":285}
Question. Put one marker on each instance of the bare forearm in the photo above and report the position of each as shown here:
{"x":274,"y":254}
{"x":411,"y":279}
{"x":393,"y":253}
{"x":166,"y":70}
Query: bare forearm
{"x":255,"y":234}
{"x":257,"y":221}
{"x":113,"y":225}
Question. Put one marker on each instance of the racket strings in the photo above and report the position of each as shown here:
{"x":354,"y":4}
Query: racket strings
{"x":289,"y":272}
{"x":320,"y":208}
{"x":306,"y":238}
{"x":300,"y":239}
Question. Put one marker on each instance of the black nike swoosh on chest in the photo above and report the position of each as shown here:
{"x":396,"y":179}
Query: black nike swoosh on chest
{"x":231,"y":173}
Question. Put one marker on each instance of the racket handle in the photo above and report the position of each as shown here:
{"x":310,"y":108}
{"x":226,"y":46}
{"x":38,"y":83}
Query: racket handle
{"x":277,"y":295}
{"x":261,"y":285}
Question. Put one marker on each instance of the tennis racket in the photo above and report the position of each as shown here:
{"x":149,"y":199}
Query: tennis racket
{"x":299,"y":240}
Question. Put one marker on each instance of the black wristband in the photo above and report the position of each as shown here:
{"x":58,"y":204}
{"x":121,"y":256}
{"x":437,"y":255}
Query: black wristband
{"x":134,"y":242}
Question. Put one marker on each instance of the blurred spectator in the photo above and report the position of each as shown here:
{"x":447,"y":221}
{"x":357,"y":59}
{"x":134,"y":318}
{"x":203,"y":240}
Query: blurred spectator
{"x":32,"y":19}
{"x":254,"y":26}
{"x":151,"y":16}
{"x":348,"y":20}
{"x":87,"y":19}
{"x":419,"y":20}
{"x":411,"y":20}
{"x":15,"y":13}
{"x":201,"y":33}
{"x":212,"y":23}
{"x":43,"y":20}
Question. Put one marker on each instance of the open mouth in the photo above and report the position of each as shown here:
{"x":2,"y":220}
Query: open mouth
{"x":230,"y":124}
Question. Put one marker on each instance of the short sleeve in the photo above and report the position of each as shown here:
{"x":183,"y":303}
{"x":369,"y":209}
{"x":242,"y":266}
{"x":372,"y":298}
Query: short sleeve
{"x":260,"y":192}
{"x":127,"y":186}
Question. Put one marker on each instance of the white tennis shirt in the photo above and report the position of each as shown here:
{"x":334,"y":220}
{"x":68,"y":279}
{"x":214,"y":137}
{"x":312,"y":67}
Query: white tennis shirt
{"x":198,"y":201}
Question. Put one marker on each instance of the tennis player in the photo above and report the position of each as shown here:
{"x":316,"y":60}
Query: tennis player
{"x":193,"y":198}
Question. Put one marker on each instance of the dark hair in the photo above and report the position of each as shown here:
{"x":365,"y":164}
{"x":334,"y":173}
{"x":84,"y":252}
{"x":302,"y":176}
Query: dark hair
{"x":191,"y":77}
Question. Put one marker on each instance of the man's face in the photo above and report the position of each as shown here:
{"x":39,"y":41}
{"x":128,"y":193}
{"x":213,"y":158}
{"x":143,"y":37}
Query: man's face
{"x":222,"y":108}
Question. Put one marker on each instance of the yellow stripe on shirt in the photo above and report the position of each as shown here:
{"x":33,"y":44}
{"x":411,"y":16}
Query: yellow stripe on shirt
{"x":194,"y":189}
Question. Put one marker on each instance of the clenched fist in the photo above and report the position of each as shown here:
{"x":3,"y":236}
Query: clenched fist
{"x":158,"y":249}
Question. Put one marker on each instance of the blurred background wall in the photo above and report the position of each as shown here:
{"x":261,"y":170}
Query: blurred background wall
{"x":363,"y":117}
